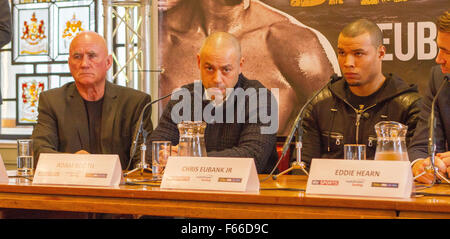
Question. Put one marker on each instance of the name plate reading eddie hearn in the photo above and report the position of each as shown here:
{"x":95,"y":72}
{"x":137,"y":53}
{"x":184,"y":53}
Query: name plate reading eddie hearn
{"x":211,"y":173}
{"x":78,"y":169}
{"x":369,"y":178}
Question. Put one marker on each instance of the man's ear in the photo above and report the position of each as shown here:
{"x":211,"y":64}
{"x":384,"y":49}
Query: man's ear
{"x":241,"y":63}
{"x":381,"y":51}
{"x":109,"y":61}
{"x":198,"y":61}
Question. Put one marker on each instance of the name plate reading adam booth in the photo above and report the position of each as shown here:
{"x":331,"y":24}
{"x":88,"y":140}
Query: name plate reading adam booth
{"x":211,"y":173}
{"x":370,"y":178}
{"x":78,"y":169}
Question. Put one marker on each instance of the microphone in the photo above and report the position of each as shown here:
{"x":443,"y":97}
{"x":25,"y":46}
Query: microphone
{"x":432,"y":126}
{"x":296,"y":126}
{"x":140,"y":129}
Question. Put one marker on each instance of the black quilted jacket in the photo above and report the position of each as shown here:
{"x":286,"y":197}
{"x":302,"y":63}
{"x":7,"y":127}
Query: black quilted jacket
{"x":331,"y":121}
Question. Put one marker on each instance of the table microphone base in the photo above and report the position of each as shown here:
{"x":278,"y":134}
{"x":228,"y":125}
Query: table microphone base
{"x":295,"y":165}
{"x":429,"y":169}
{"x":141,"y":169}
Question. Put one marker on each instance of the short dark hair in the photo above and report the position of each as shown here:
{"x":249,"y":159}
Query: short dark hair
{"x":362,"y":26}
{"x":443,"y":22}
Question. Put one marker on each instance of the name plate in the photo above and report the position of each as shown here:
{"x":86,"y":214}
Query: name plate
{"x":3,"y":173}
{"x":211,"y":173}
{"x":370,"y":178}
{"x":78,"y":169}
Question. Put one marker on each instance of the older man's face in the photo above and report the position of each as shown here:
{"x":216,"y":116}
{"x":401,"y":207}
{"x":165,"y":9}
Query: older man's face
{"x":89,"y":60}
{"x":443,"y":57}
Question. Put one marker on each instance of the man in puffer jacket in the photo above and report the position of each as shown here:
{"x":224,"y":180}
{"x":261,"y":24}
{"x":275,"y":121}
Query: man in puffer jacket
{"x":346,"y":111}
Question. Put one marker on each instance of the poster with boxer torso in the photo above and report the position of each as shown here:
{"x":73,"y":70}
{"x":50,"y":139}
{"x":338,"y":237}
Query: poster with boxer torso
{"x":291,"y":44}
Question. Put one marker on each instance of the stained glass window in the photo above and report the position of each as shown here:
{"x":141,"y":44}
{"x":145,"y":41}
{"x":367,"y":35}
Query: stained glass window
{"x":36,"y":58}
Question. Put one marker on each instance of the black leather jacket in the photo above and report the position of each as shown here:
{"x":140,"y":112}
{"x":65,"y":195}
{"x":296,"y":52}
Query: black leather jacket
{"x":331,"y":121}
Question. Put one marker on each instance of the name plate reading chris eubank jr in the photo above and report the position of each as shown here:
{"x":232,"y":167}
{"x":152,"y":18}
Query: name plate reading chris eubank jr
{"x":211,"y":173}
{"x":78,"y":169}
{"x":370,"y":178}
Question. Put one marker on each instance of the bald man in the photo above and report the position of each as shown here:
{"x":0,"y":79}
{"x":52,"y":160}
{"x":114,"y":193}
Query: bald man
{"x":90,"y":115}
{"x":280,"y":51}
{"x":231,"y":130}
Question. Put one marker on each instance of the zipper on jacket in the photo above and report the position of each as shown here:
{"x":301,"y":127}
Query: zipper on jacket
{"x":333,"y":110}
{"x":358,"y":117}
{"x":371,"y":139}
{"x":339,"y":138}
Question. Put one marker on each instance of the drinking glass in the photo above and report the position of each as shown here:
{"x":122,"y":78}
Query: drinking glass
{"x":355,"y":151}
{"x":161,"y":151}
{"x":25,"y":157}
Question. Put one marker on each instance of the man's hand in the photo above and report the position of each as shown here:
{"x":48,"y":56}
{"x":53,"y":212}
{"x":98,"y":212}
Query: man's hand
{"x":420,"y":166}
{"x":445,"y":157}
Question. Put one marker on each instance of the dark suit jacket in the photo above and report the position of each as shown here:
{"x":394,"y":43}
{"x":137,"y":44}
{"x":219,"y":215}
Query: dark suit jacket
{"x":63,"y":124}
{"x":419,"y":142}
{"x":5,"y":23}
{"x":5,"y":26}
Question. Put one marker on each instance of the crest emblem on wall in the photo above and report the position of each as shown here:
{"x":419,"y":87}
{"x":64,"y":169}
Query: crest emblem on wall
{"x":70,"y":22}
{"x":33,"y":34}
{"x":73,"y":27}
{"x":44,"y":30}
{"x":29,"y":88}
{"x":30,"y":93}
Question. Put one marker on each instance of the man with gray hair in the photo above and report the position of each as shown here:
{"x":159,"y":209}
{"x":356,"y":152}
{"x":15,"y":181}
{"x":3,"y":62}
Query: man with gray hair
{"x":419,"y":148}
{"x":346,"y":111}
{"x":91,"y":114}
{"x":241,"y":114}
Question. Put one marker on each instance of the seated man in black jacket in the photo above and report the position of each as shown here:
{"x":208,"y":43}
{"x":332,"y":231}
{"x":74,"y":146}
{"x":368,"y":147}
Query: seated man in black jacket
{"x":346,"y":111}
{"x":249,"y":121}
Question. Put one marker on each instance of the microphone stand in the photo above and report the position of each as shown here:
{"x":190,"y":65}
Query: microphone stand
{"x":298,"y":164}
{"x":143,"y":166}
{"x":431,"y":140}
